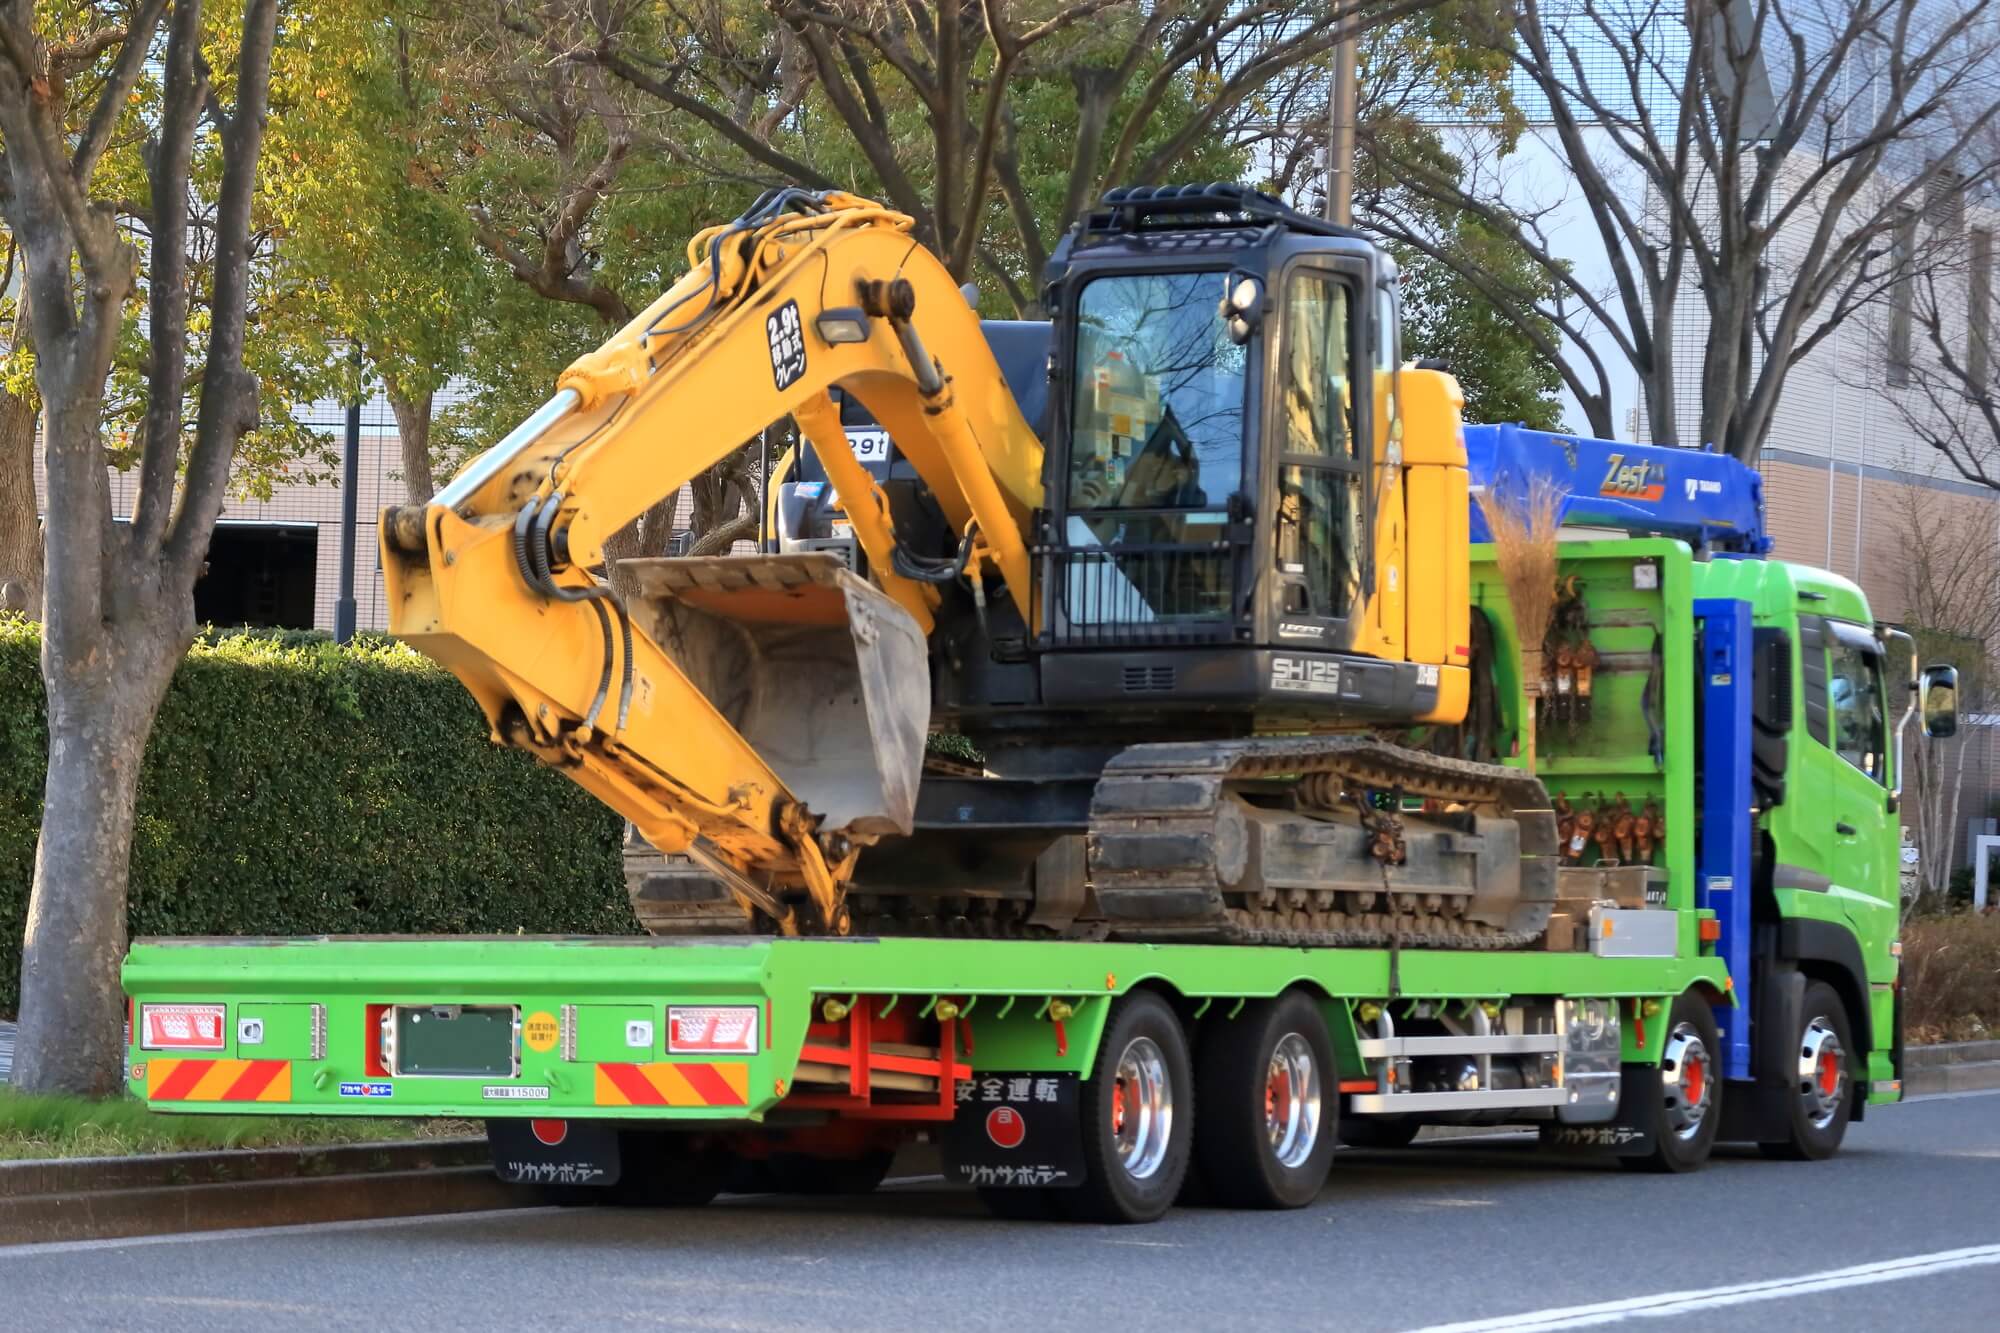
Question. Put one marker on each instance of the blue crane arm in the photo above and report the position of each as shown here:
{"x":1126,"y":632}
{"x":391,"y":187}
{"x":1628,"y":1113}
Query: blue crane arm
{"x":1711,"y":501}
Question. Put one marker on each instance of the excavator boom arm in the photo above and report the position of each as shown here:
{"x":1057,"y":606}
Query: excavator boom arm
{"x":703,"y":709}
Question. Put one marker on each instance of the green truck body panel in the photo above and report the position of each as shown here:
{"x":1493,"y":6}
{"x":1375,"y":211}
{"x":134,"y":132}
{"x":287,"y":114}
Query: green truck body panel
{"x":1639,"y":743}
{"x":788,"y":978}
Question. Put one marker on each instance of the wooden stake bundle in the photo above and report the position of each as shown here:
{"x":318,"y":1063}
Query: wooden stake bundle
{"x":1524,"y":546}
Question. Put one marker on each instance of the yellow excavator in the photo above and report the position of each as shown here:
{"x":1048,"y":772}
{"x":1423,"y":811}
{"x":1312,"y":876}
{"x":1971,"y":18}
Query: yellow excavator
{"x":1177,"y":562}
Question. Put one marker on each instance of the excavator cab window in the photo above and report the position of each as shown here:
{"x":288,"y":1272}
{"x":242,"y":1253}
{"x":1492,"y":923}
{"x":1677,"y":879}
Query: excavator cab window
{"x":1156,"y":452}
{"x":1158,"y":420}
{"x":1319,"y":517}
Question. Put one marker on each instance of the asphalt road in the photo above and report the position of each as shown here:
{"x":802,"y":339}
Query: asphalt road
{"x":1486,"y":1233}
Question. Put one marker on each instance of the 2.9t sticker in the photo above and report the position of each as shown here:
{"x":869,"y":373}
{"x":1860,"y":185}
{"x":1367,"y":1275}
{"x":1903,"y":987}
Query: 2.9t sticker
{"x":788,"y":345}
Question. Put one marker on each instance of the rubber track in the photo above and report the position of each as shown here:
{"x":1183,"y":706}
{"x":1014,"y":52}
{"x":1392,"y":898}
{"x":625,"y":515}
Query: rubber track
{"x":1158,"y":827}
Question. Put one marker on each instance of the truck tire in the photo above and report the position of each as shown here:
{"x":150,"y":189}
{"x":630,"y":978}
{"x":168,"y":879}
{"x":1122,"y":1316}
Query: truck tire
{"x":1820,"y":1102}
{"x":1379,"y":1131}
{"x":801,"y":1173}
{"x":1686,"y":1114}
{"x":1138,"y":1116}
{"x":1269,"y":1101}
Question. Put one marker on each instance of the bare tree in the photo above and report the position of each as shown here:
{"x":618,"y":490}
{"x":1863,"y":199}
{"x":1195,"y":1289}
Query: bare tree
{"x":20,"y":516}
{"x":1948,"y":400}
{"x":931,"y":98}
{"x":119,"y":598}
{"x":1950,"y":584}
{"x":1754,"y":157}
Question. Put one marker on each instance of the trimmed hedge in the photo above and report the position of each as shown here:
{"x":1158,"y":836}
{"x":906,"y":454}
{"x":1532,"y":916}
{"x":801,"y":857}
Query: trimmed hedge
{"x":293,"y":787}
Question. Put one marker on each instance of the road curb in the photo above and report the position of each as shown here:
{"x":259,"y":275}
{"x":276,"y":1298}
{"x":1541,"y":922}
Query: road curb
{"x":121,"y":1214}
{"x":1951,"y":1053}
{"x":116,"y":1198}
{"x":82,"y":1175}
{"x":1970,"y":1076}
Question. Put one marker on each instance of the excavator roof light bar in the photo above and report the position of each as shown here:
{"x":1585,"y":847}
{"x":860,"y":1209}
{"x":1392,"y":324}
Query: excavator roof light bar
{"x":1221,"y":204}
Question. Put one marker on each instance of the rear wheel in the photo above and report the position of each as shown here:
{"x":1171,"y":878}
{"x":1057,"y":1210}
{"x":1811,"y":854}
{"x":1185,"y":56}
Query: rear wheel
{"x":1138,"y":1113}
{"x":1687,"y":1110}
{"x":1268,"y":1104}
{"x":1821,"y":1098}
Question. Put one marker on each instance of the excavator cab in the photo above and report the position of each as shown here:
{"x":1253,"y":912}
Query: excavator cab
{"x":1226,"y":526}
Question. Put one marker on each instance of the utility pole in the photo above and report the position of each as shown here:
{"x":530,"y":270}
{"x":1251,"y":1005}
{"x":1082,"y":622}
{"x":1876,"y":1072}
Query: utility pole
{"x":1340,"y":135}
{"x":350,"y":479}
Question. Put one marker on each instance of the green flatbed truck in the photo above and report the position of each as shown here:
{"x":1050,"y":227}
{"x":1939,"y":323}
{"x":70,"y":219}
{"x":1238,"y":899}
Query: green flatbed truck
{"x":1721,"y":963}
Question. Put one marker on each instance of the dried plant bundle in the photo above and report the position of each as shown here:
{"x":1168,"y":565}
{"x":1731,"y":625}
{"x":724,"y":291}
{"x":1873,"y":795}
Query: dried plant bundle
{"x":1524,"y":546}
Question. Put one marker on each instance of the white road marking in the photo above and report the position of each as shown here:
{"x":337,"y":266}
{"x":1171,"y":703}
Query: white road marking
{"x":1671,"y":1303}
{"x":251,"y":1233}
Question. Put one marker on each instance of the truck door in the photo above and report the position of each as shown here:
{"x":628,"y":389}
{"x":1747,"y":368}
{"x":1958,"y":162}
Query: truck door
{"x":1863,"y":841}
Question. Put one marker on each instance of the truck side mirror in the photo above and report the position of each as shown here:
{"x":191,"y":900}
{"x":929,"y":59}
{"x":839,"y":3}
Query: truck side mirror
{"x":1937,"y":699}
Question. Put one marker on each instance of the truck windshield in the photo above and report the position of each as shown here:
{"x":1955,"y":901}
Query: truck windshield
{"x":1158,"y":420}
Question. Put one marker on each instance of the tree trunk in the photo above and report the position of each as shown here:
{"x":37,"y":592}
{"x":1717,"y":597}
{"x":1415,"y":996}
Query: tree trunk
{"x":20,"y":522}
{"x":100,"y":713}
{"x":413,"y":429}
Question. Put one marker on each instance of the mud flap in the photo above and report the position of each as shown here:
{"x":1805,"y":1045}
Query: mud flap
{"x":1759,"y":1110}
{"x":1627,"y":1134}
{"x":554,"y":1152}
{"x":821,"y":672}
{"x":1021,"y":1131}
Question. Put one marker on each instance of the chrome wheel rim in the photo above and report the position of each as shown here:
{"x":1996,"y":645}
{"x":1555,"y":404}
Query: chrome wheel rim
{"x":1292,"y":1100}
{"x":1142,"y":1108}
{"x":1687,"y":1078}
{"x":1822,"y":1072}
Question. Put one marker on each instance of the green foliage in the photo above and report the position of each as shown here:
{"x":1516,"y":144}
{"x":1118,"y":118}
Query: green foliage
{"x":305,"y":788}
{"x":370,"y":250}
{"x":1504,"y":377}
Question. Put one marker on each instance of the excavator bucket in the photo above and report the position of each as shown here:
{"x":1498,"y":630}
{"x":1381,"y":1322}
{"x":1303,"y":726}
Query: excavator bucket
{"x":824,"y":675}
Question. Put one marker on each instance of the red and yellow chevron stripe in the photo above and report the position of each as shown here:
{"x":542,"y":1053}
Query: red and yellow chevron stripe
{"x":722,"y":1084}
{"x":218,"y":1080}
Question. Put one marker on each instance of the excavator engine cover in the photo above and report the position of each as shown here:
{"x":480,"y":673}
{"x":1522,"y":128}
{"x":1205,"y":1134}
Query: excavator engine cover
{"x":820,"y":672}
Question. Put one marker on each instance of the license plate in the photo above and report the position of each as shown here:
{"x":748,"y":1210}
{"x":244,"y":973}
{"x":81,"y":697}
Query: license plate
{"x":452,"y":1041}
